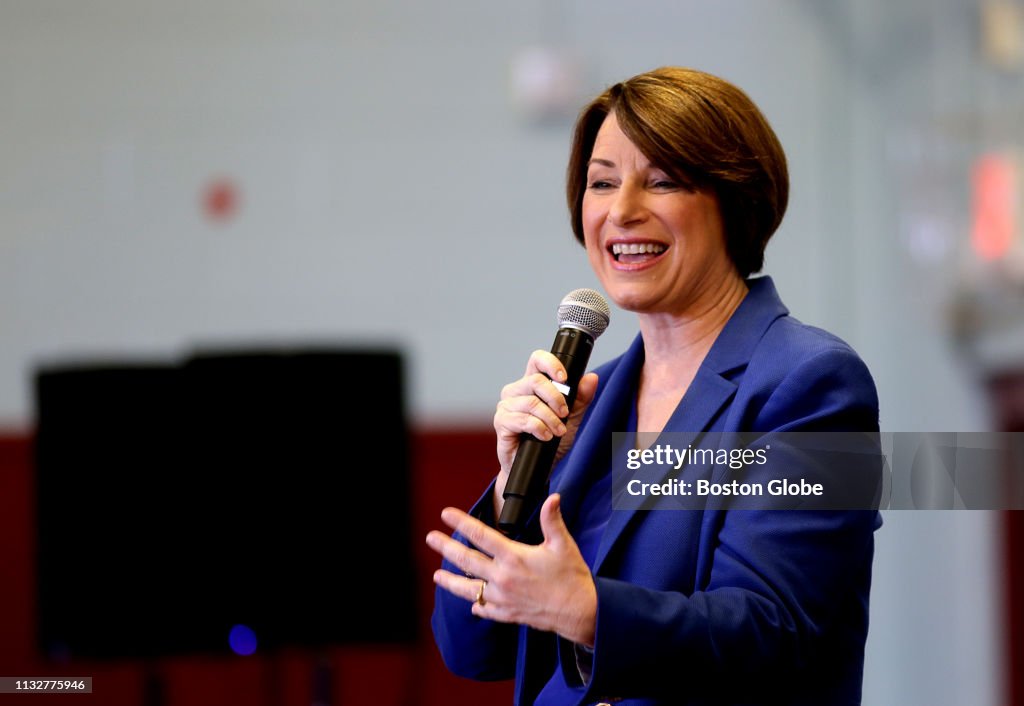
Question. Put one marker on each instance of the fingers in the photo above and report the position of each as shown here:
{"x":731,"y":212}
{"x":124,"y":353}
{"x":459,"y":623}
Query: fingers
{"x":466,"y":558}
{"x":486,"y":601}
{"x":545,"y":362}
{"x":530,"y":414}
{"x":462,"y":586}
{"x":474,"y":584}
{"x":532,"y":404}
{"x":585,"y":392}
{"x":536,"y":385}
{"x":552,"y":525}
{"x":547,"y":586}
{"x":541,"y":369}
{"x":475,"y":531}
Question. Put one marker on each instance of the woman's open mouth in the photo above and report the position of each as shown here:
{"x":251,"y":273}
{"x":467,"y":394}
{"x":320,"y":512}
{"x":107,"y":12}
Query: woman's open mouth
{"x":636,"y":253}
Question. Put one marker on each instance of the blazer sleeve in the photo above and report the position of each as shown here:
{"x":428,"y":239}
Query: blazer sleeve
{"x":786,"y":594}
{"x":473,"y":647}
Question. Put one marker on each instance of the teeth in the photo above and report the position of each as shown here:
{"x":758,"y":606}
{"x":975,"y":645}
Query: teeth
{"x":637,"y":248}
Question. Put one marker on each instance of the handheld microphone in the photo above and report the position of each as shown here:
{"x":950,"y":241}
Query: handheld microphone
{"x":583,"y":315}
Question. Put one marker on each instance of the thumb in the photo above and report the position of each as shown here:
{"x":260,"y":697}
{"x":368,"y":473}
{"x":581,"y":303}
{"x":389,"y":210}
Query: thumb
{"x":585,"y":392}
{"x":551,"y":523}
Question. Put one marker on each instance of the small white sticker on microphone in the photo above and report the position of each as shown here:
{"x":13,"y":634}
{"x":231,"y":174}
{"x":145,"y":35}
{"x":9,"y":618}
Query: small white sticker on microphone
{"x":564,"y":389}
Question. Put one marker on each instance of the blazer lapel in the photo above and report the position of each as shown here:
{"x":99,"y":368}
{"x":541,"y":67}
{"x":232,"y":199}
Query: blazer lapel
{"x":594,"y":442}
{"x":709,"y":393}
{"x":711,"y":390}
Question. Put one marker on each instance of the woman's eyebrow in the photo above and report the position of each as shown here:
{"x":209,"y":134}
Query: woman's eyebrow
{"x":602,"y":162}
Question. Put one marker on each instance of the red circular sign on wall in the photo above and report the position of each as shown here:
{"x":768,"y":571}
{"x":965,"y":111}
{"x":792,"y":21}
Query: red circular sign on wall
{"x":220,"y":200}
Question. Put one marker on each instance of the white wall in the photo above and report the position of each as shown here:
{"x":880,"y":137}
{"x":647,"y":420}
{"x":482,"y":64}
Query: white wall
{"x":391,"y":193}
{"x":390,"y":190}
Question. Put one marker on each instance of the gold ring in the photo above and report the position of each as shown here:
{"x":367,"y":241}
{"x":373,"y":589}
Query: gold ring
{"x":480,"y":594}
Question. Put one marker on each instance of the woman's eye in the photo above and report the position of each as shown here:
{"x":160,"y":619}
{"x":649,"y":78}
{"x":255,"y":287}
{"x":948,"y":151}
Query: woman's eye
{"x":665,"y":184}
{"x":599,"y":184}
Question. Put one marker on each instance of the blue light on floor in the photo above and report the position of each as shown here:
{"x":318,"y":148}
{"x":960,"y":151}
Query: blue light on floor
{"x":242,"y":640}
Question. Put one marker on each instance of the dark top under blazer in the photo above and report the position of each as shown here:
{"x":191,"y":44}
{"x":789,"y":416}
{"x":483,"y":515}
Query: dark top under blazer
{"x":709,"y":607}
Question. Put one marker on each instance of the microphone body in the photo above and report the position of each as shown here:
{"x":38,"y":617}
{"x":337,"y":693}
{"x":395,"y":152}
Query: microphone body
{"x":583,"y":316}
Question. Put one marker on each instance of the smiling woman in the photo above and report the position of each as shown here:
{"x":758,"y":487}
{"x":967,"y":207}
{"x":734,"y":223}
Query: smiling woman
{"x":704,"y":134}
{"x":675,"y":184}
{"x":639,"y":222}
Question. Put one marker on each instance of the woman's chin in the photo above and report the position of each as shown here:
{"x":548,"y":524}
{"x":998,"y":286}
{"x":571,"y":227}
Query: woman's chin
{"x":637,"y":302}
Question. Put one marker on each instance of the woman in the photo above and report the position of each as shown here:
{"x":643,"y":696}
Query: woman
{"x":675,"y":184}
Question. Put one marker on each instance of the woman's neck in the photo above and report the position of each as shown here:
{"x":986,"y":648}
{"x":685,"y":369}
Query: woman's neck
{"x":684,"y":338}
{"x":674,"y":348}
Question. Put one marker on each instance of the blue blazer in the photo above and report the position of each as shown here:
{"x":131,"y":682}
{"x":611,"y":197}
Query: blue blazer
{"x":711,"y":606}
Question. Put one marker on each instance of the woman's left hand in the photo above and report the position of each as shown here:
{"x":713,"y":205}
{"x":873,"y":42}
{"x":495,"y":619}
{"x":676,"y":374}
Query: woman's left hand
{"x":548,"y":586}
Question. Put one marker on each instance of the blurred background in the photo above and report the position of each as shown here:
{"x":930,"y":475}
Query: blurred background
{"x":272,"y":176}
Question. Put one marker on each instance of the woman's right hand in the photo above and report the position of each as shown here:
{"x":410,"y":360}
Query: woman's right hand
{"x":532,"y":404}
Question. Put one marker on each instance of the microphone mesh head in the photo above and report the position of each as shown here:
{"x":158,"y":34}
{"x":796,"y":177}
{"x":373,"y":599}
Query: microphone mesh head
{"x":586,"y":310}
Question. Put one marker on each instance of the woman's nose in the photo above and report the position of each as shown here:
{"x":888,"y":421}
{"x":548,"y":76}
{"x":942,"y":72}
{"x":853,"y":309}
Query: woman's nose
{"x":628,"y":207}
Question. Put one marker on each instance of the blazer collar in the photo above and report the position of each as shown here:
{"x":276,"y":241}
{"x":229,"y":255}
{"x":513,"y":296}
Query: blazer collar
{"x":743,"y":331}
{"x":714,"y":384}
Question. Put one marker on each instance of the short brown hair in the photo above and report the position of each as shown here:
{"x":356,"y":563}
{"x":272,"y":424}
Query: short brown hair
{"x":707,"y":134}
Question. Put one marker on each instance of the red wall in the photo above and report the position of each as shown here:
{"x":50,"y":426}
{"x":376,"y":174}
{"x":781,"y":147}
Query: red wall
{"x":450,"y":468}
{"x":1015,"y":592}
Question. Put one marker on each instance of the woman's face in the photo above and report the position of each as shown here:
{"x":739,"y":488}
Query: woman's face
{"x":656,"y":246}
